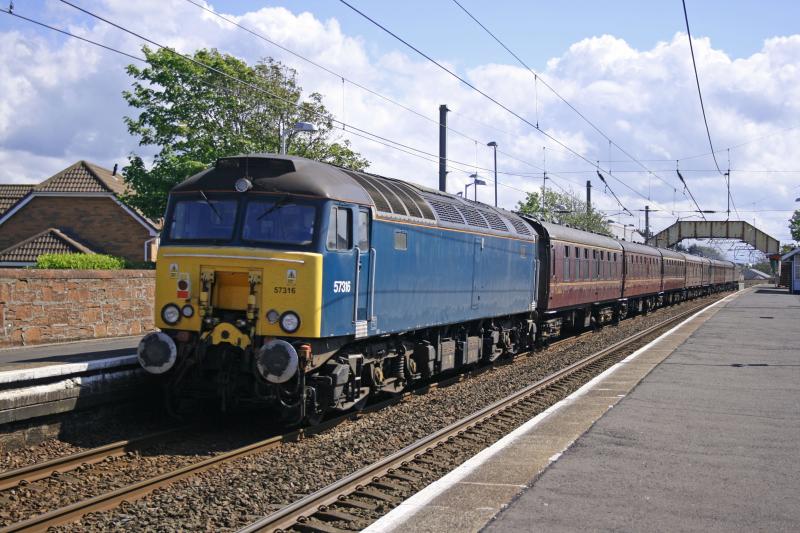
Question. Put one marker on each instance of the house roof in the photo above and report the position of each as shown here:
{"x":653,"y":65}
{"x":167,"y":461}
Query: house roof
{"x":50,"y":241}
{"x":83,"y":177}
{"x":791,"y":253}
{"x":10,"y":194}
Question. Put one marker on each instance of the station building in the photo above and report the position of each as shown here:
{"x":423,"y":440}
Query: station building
{"x":792,"y":260}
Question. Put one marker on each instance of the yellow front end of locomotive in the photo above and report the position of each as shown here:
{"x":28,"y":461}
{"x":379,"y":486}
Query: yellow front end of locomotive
{"x":256,"y":290}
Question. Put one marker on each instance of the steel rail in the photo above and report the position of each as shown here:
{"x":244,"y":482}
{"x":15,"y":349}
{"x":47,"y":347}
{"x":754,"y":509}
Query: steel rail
{"x":12,"y":478}
{"x":303,"y":509}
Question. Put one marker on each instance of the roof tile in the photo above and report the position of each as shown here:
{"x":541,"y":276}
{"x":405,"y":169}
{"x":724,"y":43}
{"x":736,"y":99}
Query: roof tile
{"x":83,"y":177}
{"x":11,"y":193}
{"x":50,"y":241}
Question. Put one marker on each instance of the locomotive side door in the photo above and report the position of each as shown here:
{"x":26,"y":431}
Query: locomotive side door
{"x":477,"y":282}
{"x":364,"y":274}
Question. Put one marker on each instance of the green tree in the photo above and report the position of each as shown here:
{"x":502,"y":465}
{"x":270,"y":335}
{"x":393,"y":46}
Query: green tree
{"x":794,"y":225}
{"x":563,"y":208}
{"x":705,"y":251}
{"x":195,"y":115}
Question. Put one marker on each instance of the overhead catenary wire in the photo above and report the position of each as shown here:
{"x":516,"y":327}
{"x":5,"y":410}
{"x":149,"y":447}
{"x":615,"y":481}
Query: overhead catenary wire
{"x":699,"y":91}
{"x":352,"y":130}
{"x":345,"y":79}
{"x":483,"y":93}
{"x":699,"y":210}
{"x":318,"y":65}
{"x":256,"y":87}
{"x":603,"y":179}
{"x":376,"y":138}
{"x":538,"y":79}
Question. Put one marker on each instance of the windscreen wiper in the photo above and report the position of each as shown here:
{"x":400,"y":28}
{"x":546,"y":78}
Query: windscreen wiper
{"x":219,"y":217}
{"x":280,"y":203}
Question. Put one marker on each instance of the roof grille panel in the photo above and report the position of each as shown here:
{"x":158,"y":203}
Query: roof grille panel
{"x":520,"y":226}
{"x":472,"y":216}
{"x":408,"y":203}
{"x":447,"y":212}
{"x":381,"y":204}
{"x":397,"y":205}
{"x":494,"y":220}
{"x":421,"y":204}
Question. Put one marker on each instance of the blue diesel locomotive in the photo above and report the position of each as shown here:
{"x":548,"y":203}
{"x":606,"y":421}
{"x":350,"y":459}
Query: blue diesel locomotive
{"x":306,"y":287}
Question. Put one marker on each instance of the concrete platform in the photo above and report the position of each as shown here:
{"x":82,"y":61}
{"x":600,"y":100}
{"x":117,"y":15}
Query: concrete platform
{"x":699,"y":430}
{"x":37,"y":381}
{"x":67,"y":352}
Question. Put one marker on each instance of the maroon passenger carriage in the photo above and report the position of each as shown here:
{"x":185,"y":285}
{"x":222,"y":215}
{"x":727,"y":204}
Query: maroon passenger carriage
{"x":642,"y":278}
{"x":580,"y":278}
{"x":673,"y":282}
{"x":589,"y":279}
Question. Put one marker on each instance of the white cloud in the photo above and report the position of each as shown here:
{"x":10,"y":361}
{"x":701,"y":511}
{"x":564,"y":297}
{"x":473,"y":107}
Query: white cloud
{"x":62,"y":102}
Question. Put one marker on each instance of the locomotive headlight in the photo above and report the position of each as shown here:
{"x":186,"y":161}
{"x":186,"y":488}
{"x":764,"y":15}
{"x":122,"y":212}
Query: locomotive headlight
{"x":187,"y":311}
{"x":171,"y":314}
{"x":273,"y":316}
{"x":243,"y":185}
{"x":290,"y":322}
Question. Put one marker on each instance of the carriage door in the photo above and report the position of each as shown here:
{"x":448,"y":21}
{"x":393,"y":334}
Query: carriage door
{"x":364,"y":274}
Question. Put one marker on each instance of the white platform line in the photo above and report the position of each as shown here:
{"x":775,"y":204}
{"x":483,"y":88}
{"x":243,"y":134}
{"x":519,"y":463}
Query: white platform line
{"x":49,"y":371}
{"x":408,"y":508}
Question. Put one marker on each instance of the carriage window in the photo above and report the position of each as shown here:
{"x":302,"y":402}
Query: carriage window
{"x":400,"y":240}
{"x":340,"y":233}
{"x":203,"y":219}
{"x":279,"y":221}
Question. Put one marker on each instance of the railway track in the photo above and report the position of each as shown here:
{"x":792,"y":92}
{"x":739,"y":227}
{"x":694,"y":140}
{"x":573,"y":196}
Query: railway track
{"x":386,"y":472}
{"x":28,"y":474}
{"x":360,"y":498}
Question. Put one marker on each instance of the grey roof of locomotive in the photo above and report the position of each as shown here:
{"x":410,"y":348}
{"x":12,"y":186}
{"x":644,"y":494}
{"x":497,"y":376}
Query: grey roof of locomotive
{"x":392,"y":198}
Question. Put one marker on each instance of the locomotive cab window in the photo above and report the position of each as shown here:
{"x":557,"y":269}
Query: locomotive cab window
{"x":203,"y":219}
{"x":340,"y":229}
{"x":279,"y":221}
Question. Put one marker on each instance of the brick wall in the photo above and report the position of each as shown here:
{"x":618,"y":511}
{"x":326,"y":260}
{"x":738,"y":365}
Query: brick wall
{"x":40,"y":306}
{"x":98,"y":222}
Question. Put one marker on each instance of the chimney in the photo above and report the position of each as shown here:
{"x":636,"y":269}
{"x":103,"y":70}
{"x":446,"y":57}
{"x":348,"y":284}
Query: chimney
{"x":114,"y":172}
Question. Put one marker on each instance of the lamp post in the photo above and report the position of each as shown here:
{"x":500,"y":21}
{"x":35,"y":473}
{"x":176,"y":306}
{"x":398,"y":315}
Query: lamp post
{"x":493,"y":144}
{"x":476,"y":180}
{"x":298,"y":126}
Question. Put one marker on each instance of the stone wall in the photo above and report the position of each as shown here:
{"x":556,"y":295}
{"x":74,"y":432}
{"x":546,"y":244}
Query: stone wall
{"x":41,"y":306}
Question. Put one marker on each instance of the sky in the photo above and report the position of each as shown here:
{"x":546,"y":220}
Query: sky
{"x":625,"y":65}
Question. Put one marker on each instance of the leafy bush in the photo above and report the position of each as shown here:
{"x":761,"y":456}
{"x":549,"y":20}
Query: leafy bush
{"x":80,"y":261}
